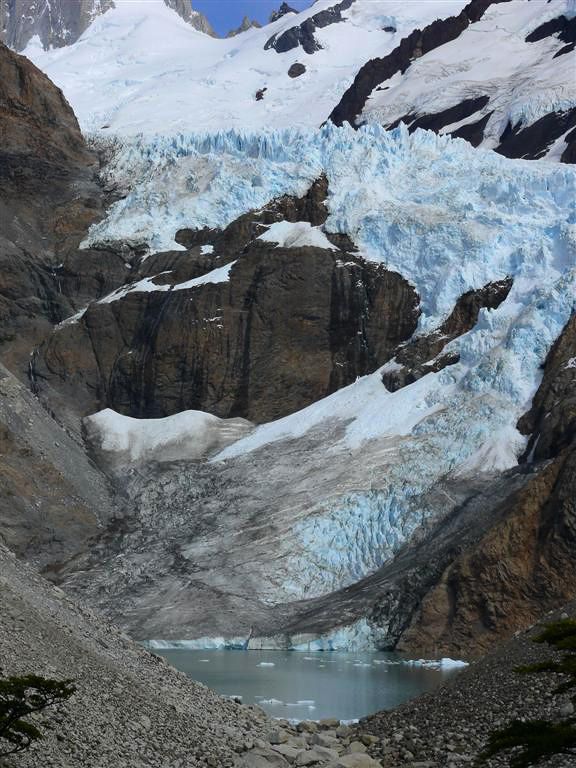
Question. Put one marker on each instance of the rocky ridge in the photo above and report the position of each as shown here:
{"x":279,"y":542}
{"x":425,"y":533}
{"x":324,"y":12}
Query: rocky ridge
{"x":246,"y":24}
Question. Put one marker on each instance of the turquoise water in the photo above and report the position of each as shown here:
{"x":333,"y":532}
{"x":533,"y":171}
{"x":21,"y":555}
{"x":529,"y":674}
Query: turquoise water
{"x":310,"y":685}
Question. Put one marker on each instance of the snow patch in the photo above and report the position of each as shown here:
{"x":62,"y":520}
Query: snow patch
{"x":296,"y":235}
{"x":147,"y":285}
{"x":189,"y":435}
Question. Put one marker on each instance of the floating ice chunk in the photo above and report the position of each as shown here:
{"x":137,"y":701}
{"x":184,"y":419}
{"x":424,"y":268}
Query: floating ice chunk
{"x":272,"y":702}
{"x":444,"y":664}
{"x":266,"y":664}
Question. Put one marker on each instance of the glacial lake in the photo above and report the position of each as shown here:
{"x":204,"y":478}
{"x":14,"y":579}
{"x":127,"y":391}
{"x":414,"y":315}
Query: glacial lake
{"x":311,"y":686}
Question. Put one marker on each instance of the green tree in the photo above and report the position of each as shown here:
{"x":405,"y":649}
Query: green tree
{"x":21,"y":697}
{"x":535,"y":740}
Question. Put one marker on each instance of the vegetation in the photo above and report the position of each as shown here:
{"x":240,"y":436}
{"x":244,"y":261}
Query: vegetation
{"x":21,"y":697}
{"x":535,"y":740}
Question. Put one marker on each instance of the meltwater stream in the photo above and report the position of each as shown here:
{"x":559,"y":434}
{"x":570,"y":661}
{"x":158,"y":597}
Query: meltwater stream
{"x":311,"y":686}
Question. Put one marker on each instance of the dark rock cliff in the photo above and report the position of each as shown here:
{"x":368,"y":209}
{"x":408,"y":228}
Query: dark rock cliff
{"x":51,"y":497}
{"x":290,"y":326}
{"x":49,"y":198}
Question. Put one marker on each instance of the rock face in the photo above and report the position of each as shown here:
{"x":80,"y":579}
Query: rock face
{"x":49,"y":197}
{"x":55,"y":22}
{"x":422,"y":355}
{"x":551,"y":421}
{"x":52,"y":497}
{"x":61,"y":22}
{"x":291,"y":325}
{"x":197,"y":20}
{"x":533,"y":141}
{"x":282,"y":11}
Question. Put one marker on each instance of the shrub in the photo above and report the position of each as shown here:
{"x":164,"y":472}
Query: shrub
{"x":21,"y":697}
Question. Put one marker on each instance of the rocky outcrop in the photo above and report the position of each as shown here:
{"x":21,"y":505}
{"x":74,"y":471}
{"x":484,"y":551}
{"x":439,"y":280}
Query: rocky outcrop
{"x":282,"y":11}
{"x":561,"y":27}
{"x":551,"y":421}
{"x":296,"y":70}
{"x":521,"y":567}
{"x":303,"y":34}
{"x":419,"y":42}
{"x":439,"y":120}
{"x":533,"y":141}
{"x":186,"y":11}
{"x":523,"y":564}
{"x":422,"y":355}
{"x":289,"y":327}
{"x":52,"y":499}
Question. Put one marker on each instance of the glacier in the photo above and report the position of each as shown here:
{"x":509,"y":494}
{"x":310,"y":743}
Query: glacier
{"x":449,"y":219}
{"x":395,"y":194}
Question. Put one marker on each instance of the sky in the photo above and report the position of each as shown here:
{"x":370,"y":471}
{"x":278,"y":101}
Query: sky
{"x":225,"y":15}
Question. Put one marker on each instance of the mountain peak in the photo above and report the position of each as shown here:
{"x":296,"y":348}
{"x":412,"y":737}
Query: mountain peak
{"x":58,"y":23}
{"x":246,"y":24}
{"x":282,"y":11}
{"x":196,"y":19}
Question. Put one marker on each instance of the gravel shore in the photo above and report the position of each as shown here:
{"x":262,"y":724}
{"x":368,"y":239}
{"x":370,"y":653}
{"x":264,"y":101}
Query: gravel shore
{"x":132,"y":709}
{"x":449,"y":727}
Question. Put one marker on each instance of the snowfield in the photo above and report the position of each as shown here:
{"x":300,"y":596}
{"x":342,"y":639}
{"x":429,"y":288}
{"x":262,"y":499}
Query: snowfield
{"x":139,"y":68}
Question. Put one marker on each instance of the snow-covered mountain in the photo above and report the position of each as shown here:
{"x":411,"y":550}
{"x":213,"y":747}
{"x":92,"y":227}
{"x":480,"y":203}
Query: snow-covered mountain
{"x":496,"y":73}
{"x":322,"y":364}
{"x":58,"y":23}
